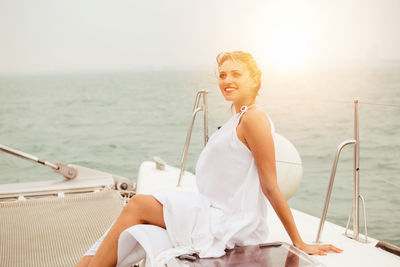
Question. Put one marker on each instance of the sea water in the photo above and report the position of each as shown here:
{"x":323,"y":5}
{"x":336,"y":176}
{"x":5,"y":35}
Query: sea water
{"x":115,"y":121}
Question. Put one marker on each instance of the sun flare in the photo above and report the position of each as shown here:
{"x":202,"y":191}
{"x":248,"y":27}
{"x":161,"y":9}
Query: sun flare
{"x":288,"y":46}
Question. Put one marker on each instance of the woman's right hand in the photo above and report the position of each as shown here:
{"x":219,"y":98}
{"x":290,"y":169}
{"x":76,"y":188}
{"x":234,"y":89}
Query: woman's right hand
{"x":319,"y":249}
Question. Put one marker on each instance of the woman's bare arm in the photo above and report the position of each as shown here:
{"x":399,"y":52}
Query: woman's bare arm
{"x":256,"y":131}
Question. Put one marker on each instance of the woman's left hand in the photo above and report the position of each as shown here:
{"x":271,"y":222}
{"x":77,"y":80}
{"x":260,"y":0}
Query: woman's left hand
{"x":318,"y":249}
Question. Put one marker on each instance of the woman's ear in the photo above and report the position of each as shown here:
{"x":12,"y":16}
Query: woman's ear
{"x":255,"y":82}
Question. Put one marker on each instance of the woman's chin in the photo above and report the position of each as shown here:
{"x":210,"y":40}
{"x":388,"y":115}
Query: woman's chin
{"x":228,"y":97}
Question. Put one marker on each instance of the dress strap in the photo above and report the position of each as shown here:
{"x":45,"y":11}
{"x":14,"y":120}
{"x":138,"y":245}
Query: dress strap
{"x":244,"y":108}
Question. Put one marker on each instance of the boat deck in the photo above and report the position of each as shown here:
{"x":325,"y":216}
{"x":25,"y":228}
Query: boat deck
{"x":354,"y":253}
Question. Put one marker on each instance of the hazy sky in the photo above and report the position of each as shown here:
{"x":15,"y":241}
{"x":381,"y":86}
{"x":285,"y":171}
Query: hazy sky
{"x":90,"y":35}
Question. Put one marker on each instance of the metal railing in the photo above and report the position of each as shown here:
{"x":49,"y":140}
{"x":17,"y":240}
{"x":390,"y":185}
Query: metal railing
{"x":66,"y":171}
{"x":356,"y":169}
{"x":196,"y":109}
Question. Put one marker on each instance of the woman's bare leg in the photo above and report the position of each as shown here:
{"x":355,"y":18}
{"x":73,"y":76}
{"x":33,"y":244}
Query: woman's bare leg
{"x":84,"y":262}
{"x":141,"y":209}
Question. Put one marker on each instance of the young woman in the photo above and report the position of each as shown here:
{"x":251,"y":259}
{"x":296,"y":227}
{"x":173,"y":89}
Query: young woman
{"x":235,"y":172}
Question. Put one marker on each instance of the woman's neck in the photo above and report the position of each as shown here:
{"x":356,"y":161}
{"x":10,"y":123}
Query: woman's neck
{"x":247,"y":102}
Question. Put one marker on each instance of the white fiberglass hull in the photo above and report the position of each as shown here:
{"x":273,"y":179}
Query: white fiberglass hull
{"x":355,"y":253}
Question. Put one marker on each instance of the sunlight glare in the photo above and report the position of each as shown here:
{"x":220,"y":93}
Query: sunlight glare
{"x":288,"y":46}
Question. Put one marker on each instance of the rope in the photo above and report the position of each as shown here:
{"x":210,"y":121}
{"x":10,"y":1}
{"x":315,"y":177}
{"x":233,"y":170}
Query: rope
{"x":315,"y":100}
{"x":382,"y":179}
{"x":379,"y":104}
{"x":389,"y":182}
{"x":361,"y":171}
{"x":331,"y":100}
{"x":337,"y":101}
{"x":318,"y":100}
{"x":288,"y":162}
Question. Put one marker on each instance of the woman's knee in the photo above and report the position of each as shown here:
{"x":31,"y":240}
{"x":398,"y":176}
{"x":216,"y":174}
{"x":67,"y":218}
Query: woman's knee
{"x":146,"y":209}
{"x":135,"y":207}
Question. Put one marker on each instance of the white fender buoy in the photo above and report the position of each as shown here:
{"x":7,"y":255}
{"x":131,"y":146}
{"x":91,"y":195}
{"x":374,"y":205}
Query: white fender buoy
{"x":289,"y":168}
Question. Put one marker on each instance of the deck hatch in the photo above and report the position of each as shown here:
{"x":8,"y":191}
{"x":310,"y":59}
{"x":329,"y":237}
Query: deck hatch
{"x":265,"y":255}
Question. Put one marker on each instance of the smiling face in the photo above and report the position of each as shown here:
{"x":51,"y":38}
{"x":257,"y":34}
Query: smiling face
{"x":236,"y":83}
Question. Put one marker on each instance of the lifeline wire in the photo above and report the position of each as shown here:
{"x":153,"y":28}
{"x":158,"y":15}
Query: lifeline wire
{"x":380,"y":178}
{"x":379,"y":104}
{"x":361,"y":171}
{"x":346,"y":102}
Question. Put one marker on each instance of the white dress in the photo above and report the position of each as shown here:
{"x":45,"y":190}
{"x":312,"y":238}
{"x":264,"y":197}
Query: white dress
{"x":230,"y":208}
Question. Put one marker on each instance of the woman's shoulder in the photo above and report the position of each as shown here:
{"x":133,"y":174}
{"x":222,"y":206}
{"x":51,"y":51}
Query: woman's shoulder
{"x":255,"y":127}
{"x":255,"y":118}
